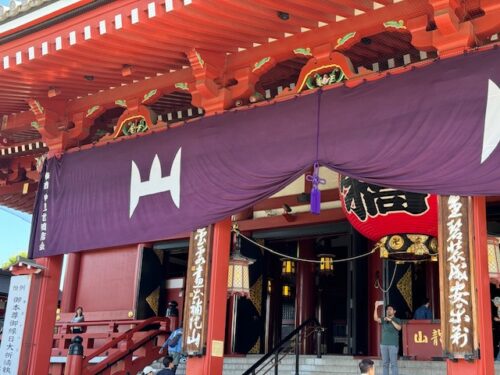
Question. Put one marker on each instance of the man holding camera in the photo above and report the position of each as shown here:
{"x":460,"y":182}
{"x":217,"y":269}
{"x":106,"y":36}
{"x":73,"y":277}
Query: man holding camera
{"x":389,"y":344}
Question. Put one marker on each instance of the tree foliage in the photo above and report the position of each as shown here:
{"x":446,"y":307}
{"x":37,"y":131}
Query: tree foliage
{"x":13,"y":259}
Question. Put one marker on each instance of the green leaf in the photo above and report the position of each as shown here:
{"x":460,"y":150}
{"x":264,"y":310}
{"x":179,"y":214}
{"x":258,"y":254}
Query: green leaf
{"x":149,"y":95}
{"x":182,"y":86}
{"x":261,"y":63}
{"x":302,"y":51}
{"x":121,"y":103}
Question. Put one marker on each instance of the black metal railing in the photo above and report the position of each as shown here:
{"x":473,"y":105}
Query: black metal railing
{"x":290,"y":344}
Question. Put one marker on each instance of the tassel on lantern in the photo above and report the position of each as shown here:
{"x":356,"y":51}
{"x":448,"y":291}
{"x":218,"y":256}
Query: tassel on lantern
{"x":315,"y":192}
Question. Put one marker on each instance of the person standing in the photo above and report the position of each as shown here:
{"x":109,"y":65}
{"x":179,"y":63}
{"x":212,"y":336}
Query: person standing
{"x":389,"y":344}
{"x":174,"y":345}
{"x":78,"y":318}
{"x":423,"y":312}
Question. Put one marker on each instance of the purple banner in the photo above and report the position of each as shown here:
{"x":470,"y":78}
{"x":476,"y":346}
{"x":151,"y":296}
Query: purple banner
{"x":434,"y":129}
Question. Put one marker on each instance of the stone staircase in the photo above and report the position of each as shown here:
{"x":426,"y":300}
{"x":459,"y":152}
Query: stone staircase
{"x":327,"y":365}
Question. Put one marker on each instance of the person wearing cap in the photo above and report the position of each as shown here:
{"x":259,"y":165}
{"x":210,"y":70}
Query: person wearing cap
{"x":148,"y":370}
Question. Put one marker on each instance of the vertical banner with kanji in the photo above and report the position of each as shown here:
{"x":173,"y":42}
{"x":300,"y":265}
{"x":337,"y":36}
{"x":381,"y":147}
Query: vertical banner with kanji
{"x":456,"y":275}
{"x":197,"y":290}
{"x":13,"y":328}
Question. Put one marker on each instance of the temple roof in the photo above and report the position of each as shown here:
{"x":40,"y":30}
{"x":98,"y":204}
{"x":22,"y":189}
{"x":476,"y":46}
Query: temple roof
{"x":86,"y":54}
{"x":79,"y":55}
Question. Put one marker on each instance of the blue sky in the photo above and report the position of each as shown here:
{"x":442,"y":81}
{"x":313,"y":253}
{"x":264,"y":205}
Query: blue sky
{"x":14,"y":231}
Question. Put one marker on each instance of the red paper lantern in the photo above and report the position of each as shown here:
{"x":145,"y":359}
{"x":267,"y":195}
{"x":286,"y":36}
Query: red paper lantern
{"x":377,"y":211}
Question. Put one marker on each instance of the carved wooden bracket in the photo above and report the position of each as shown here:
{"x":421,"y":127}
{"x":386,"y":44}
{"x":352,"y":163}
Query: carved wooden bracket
{"x":17,"y":170}
{"x":213,"y":89}
{"x":451,"y":35}
{"x":55,"y":126}
{"x":325,"y":67}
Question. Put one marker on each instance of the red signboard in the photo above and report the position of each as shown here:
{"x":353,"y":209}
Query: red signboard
{"x":422,"y":339}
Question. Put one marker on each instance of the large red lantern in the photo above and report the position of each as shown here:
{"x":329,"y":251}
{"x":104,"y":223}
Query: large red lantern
{"x":403,"y":222}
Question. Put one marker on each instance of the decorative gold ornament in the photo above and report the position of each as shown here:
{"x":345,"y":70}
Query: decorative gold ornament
{"x":408,"y":247}
{"x":396,"y":242}
{"x":153,"y":300}
{"x":404,"y":286}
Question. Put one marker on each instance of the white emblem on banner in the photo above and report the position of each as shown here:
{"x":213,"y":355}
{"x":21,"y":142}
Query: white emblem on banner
{"x":491,"y":135}
{"x":156,"y":183}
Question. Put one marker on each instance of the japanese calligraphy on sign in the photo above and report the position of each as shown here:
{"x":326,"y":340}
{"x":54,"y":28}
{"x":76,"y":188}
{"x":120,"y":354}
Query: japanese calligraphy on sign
{"x":422,"y":339}
{"x":197,"y":285}
{"x":458,"y":300}
{"x":367,"y":200}
{"x":13,"y":329}
{"x":45,"y":203}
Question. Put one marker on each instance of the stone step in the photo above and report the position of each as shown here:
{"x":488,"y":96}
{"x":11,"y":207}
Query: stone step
{"x":331,"y":365}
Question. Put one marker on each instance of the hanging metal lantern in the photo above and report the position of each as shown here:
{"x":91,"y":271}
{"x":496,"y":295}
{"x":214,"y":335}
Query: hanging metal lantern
{"x":238,"y":280}
{"x":494,"y":260}
{"x":326,"y":266}
{"x":408,"y":247}
{"x":287,"y":267}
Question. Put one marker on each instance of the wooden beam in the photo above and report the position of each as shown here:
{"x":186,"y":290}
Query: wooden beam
{"x":107,"y":98}
{"x":366,"y":24}
{"x":291,"y":200}
{"x":327,"y":216}
{"x":19,"y":121}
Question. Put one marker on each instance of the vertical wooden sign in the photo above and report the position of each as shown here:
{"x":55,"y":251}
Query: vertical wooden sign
{"x":456,"y":278}
{"x":197,"y":291}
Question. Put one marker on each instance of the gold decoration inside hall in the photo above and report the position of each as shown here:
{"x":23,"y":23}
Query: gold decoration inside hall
{"x":153,"y":300}
{"x":405,"y":288}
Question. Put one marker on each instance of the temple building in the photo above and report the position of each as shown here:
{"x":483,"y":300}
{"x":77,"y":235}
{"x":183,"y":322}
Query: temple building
{"x":261,"y":173}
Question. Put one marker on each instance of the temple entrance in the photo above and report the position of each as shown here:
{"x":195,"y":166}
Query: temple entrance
{"x":162,"y":279}
{"x":285,"y":293}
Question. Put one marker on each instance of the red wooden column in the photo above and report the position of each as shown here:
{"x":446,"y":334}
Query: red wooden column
{"x":374,"y":273}
{"x":485,"y":365}
{"x":42,"y":315}
{"x":71,"y":283}
{"x":305,"y":299}
{"x":212,"y":363}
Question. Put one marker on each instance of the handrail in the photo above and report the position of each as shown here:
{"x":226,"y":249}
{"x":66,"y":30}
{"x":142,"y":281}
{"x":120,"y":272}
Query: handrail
{"x":275,"y":351}
{"x":126,"y":335}
{"x":118,"y":356}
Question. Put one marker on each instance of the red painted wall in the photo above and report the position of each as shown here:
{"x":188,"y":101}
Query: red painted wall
{"x":108,"y":279}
